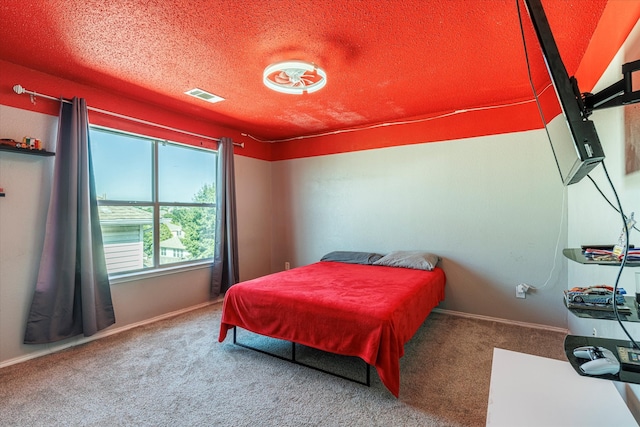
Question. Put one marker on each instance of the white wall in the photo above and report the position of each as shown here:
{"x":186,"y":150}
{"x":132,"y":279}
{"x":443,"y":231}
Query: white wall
{"x":253,"y":194}
{"x":27,"y":183}
{"x":490,"y":206}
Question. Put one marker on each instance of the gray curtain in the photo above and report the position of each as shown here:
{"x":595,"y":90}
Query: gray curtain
{"x":225,"y":260}
{"x":72,"y":294}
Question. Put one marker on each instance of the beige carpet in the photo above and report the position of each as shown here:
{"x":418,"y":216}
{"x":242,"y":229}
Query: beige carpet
{"x":175,"y":373}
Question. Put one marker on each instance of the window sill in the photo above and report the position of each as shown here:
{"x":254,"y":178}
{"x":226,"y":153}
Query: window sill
{"x":115,"y":279}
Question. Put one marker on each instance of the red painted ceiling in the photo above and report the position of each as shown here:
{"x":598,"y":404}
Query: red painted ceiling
{"x":386,"y":61}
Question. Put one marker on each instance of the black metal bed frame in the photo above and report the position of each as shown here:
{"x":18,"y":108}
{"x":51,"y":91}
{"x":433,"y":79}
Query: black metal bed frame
{"x":292,"y":359}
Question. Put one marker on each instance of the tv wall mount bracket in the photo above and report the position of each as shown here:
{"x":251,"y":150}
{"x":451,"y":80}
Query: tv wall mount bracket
{"x":619,"y":93}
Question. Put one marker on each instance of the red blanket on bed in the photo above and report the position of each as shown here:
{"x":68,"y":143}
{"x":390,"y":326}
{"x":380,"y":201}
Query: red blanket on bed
{"x":348,"y":309}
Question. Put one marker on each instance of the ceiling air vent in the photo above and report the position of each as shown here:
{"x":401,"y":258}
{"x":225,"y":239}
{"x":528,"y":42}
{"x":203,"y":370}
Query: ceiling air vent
{"x":204,"y":95}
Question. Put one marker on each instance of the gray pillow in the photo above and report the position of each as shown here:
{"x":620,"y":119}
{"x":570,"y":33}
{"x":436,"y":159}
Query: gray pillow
{"x":419,"y":260}
{"x":366,"y":258}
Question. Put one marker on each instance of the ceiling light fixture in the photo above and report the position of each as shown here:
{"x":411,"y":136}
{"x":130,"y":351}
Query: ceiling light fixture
{"x":294,"y":77}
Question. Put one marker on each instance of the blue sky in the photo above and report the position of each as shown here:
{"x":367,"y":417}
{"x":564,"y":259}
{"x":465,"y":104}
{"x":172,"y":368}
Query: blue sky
{"x":122,"y":166}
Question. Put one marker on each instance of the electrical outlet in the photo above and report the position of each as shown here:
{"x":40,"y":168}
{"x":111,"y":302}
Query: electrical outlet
{"x":595,"y":332}
{"x":287,"y":265}
{"x":520,"y":291}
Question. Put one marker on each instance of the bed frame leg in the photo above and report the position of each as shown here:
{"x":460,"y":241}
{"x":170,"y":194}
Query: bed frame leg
{"x":368,"y":374}
{"x":293,"y":360}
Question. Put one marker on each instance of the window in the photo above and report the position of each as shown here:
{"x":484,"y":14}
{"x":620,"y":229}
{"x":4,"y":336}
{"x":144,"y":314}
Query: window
{"x":156,"y":200}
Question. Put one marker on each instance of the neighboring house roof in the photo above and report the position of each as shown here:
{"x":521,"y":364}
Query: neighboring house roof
{"x":121,"y":215}
{"x":172,"y":243}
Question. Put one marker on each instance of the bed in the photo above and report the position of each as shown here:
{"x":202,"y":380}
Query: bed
{"x":366,"y":309}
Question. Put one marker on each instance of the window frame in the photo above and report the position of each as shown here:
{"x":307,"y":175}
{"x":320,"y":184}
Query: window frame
{"x":157,"y":269}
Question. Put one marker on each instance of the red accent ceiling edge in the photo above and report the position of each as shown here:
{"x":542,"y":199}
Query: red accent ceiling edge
{"x":457,"y":126}
{"x":13,"y":74}
{"x":515,"y":118}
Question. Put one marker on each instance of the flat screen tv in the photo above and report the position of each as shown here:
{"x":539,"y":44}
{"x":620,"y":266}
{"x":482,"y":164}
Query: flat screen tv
{"x":574,"y":140}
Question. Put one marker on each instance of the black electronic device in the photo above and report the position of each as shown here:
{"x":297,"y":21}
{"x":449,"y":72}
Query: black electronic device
{"x":629,"y":358}
{"x":574,"y":140}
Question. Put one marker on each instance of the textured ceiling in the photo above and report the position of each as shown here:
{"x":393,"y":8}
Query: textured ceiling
{"x":386,"y":60}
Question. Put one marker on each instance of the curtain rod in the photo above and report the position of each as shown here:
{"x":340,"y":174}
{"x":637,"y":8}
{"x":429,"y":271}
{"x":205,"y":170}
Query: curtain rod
{"x":32,"y":94}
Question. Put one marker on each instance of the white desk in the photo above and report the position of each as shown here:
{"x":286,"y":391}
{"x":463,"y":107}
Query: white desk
{"x":529,"y":390}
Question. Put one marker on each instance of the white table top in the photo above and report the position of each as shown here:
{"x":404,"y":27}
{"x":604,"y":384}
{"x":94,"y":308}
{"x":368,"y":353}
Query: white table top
{"x":529,"y":390}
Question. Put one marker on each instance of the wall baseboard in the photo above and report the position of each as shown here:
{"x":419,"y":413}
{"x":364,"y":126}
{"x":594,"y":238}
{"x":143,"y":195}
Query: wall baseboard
{"x":53,"y":348}
{"x":499,"y":320}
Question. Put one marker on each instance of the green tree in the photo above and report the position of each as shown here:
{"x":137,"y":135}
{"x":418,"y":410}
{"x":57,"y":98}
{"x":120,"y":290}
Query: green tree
{"x":165,"y":234}
{"x":198,"y":224}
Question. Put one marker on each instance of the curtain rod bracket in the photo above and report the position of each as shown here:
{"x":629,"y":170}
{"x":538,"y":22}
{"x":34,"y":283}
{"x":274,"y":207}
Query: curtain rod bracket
{"x":20,"y":90}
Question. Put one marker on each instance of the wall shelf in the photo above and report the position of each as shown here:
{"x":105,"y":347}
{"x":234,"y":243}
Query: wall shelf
{"x":26,"y":151}
{"x":631,"y":315}
{"x":575,"y":254}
